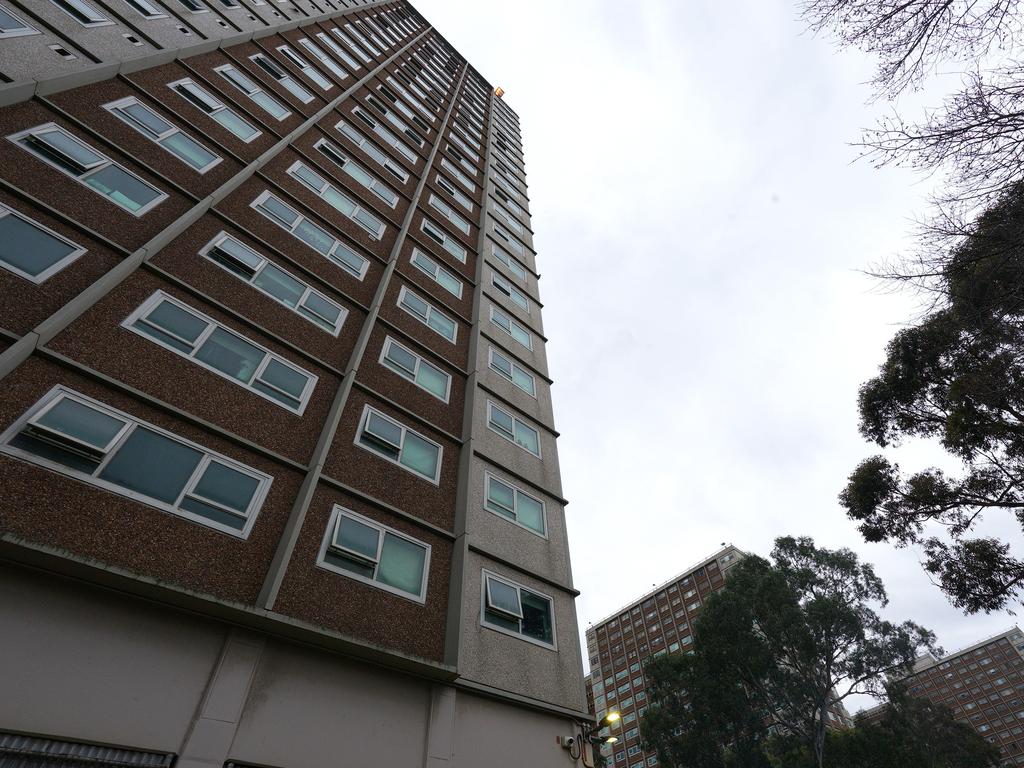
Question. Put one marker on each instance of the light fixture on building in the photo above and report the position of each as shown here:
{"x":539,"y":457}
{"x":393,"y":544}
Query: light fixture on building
{"x":499,"y":91}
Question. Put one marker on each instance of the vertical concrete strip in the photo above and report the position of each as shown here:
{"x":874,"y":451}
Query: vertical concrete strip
{"x":441,"y":728}
{"x":286,"y":544}
{"x":460,"y":553}
{"x":62,"y":318}
{"x":213,"y":730}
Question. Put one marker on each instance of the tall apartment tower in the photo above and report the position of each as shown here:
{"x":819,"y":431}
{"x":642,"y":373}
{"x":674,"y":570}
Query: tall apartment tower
{"x":280,"y":483}
{"x":983,"y":685}
{"x":659,"y":622}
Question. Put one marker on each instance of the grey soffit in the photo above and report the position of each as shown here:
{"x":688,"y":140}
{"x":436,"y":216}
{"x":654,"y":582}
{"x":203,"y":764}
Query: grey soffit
{"x":17,"y":751}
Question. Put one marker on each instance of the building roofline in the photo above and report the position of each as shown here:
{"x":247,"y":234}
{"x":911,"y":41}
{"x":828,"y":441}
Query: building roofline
{"x":962,"y":651}
{"x":654,"y":590}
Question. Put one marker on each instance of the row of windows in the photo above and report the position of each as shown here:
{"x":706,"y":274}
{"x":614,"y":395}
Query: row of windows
{"x":84,"y":438}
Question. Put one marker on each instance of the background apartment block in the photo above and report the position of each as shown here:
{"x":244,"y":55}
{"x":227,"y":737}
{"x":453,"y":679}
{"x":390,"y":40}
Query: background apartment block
{"x":657,"y":623}
{"x":280,"y":478}
{"x":982,"y":684}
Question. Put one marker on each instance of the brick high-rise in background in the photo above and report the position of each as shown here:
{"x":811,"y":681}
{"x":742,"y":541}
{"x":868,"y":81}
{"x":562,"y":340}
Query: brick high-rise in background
{"x":982,"y":684}
{"x":280,"y":484}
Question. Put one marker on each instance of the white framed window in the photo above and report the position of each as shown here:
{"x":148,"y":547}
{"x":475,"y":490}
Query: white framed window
{"x":465,"y":136}
{"x":336,"y":155}
{"x":445,"y":240}
{"x":147,"y":9}
{"x":370,"y":149}
{"x":503,"y":364}
{"x":404,"y":109}
{"x":83,"y":12}
{"x":511,"y":327}
{"x":195,"y":6}
{"x":396,"y":121}
{"x":512,"y":503}
{"x":243,"y":262}
{"x":509,"y":220}
{"x":512,"y":608}
{"x":336,"y":198}
{"x":286,"y":81}
{"x":436,"y":272}
{"x":11,"y":25}
{"x":389,"y":138}
{"x":507,"y":187}
{"x":318,"y":53}
{"x":513,"y":429}
{"x":449,"y":213}
{"x":176,"y":326}
{"x":312,"y":234}
{"x":460,"y":198}
{"x":463,"y":161}
{"x":367,"y":32}
{"x":428,"y":314}
{"x":517,"y":297}
{"x":83,"y":438}
{"x":514,"y":245}
{"x":206,"y":102}
{"x":376,"y":554}
{"x":305,"y":67}
{"x":407,"y":364}
{"x":253,"y":90}
{"x":30,"y":250}
{"x":462,"y":178}
{"x":351,"y":44}
{"x":395,"y":442}
{"x":171,"y":138}
{"x":514,"y":266}
{"x":361,"y":38}
{"x":58,"y":148}
{"x":464,"y":147}
{"x":411,"y":98}
{"x":338,"y":51}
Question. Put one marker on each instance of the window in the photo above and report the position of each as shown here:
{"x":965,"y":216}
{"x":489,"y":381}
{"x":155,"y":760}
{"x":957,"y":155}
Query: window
{"x":513,"y":265}
{"x":460,"y":198}
{"x":392,"y":118}
{"x":510,"y":502}
{"x":444,"y":240}
{"x":250,"y":88}
{"x":178,"y":327}
{"x":503,"y":364}
{"x":518,"y":297}
{"x":337,"y":199}
{"x":375,"y":154}
{"x":173,"y":139}
{"x":462,"y":178}
{"x":511,"y":327}
{"x":311,"y":234}
{"x":410,"y":98}
{"x":305,"y":67}
{"x":55,"y":146}
{"x":445,"y":210}
{"x":428,"y":314}
{"x":376,"y":554}
{"x":243,"y":262}
{"x":514,"y":609}
{"x":513,"y":429}
{"x":83,"y":438}
{"x":465,"y":147}
{"x":337,"y":50}
{"x":362,"y":40}
{"x":215,"y":108}
{"x":510,"y":241}
{"x":400,"y":445}
{"x":13,"y":26}
{"x":389,"y":138}
{"x":436,"y":272}
{"x":462,"y":159}
{"x":323,"y":58}
{"x":195,"y":6}
{"x":511,"y":222}
{"x":286,"y":81}
{"x":333,"y":152}
{"x":82,"y":12}
{"x":32,"y":251}
{"x":415,"y":368}
{"x":348,"y":41}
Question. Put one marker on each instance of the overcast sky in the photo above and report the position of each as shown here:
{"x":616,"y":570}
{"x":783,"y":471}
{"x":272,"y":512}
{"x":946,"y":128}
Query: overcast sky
{"x":701,"y":225}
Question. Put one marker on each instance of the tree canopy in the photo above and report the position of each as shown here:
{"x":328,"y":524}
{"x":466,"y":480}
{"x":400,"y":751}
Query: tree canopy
{"x":788,"y":640}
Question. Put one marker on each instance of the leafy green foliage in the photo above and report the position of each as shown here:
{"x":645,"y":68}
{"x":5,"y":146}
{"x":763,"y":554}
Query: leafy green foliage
{"x":774,"y":649}
{"x":957,"y":377}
